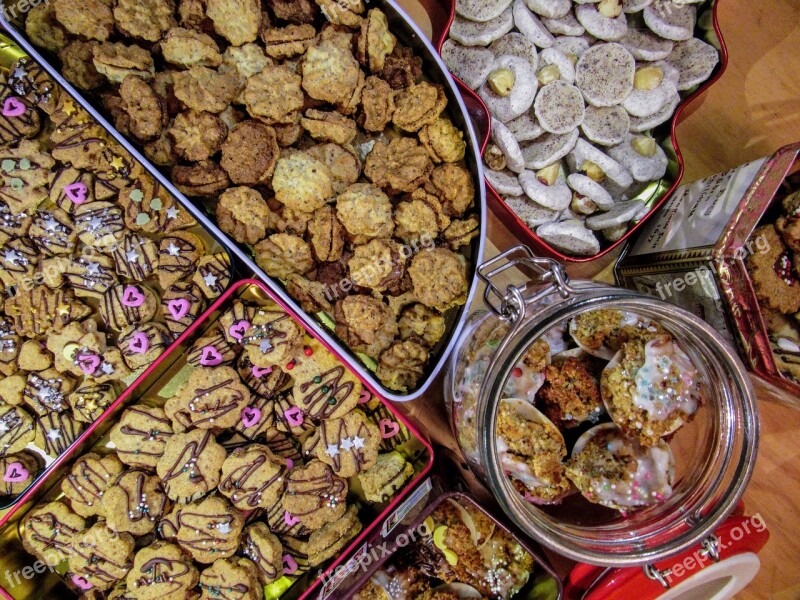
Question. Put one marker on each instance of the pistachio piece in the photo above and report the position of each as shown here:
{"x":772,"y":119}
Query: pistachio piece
{"x":548,"y":74}
{"x":573,"y":58}
{"x":501,"y":81}
{"x":610,"y":8}
{"x":494,"y":158}
{"x":582,"y":205}
{"x":592,"y":171}
{"x":648,"y":78}
{"x":549,"y":174}
{"x":644,"y":146}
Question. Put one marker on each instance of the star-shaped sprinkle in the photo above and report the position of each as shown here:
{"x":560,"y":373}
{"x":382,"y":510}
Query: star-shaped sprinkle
{"x":265,"y":346}
{"x":224,"y":528}
{"x":93,"y":268}
{"x":95,"y":223}
{"x":45,"y":392}
{"x":172,"y":212}
{"x":107,"y":368}
{"x":3,"y":427}
{"x":358,"y":442}
{"x":346,"y":445}
{"x":117,"y":163}
{"x":50,"y":224}
{"x":54,"y":434}
{"x":132,"y":256}
{"x":173,"y":250}
{"x":210,"y":280}
{"x":12,"y":256}
{"x":69,"y":107}
{"x":333,"y":450}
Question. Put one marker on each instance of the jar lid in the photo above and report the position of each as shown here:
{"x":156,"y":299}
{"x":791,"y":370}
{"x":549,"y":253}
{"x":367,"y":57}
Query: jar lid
{"x":618,"y":429}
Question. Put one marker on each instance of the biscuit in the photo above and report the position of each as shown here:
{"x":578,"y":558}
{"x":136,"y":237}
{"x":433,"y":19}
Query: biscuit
{"x":548,"y":148}
{"x":238,"y":22}
{"x":621,"y":212}
{"x":250,"y":153}
{"x":695,"y":60}
{"x":124,"y":306}
{"x":555,"y":197}
{"x":439,"y":278}
{"x":46,"y":391}
{"x":530,"y":26}
{"x":181,"y":304}
{"x":117,"y":61}
{"x":213,"y":274}
{"x":642,"y":168}
{"x":604,"y":74}
{"x":566,"y":25}
{"x":331,"y":73}
{"x":204,"y":89}
{"x":212,"y":349}
{"x":211,"y":399}
{"x":330,"y":539}
{"x":102,"y":557}
{"x":570,"y":394}
{"x":141,"y":435}
{"x":197,"y":135}
{"x":262,"y":382}
{"x":50,"y":531}
{"x":55,"y":432}
{"x":43,"y":29}
{"x":178,"y":256}
{"x":402,"y":364}
{"x":386,"y":477}
{"x":89,"y":401}
{"x":209,"y":529}
{"x":188,"y":48}
{"x":24,"y":188}
{"x":365,"y":324}
{"x":274,"y":95}
{"x":236,"y":574}
{"x":252,"y":477}
{"x":161,"y":570}
{"x":261,"y":546}
{"x":645,"y":45}
{"x":606,"y":125}
{"x":53,"y":232}
{"x":190,"y":465}
{"x":274,"y":338}
{"x":243,"y":214}
{"x":134,"y":503}
{"x":481,"y":11}
{"x":142,"y":345}
{"x":19,"y":471}
{"x":671,"y":20}
{"x":315,"y":495}
{"x":92,"y":19}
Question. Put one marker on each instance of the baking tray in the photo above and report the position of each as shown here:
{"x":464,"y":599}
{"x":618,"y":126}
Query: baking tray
{"x":161,"y":381}
{"x":9,"y":53}
{"x":654,"y":195}
{"x":408,"y":33}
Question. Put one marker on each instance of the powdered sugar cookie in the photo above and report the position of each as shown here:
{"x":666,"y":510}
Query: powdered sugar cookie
{"x":621,"y":213}
{"x":553,"y":9}
{"x":471,"y":64}
{"x":592,"y":190}
{"x":472,"y":33}
{"x":548,"y":148}
{"x":554,"y":56}
{"x":530,"y":26}
{"x":670,"y":20}
{"x":695,"y":61}
{"x":481,"y":10}
{"x":559,"y":107}
{"x":645,"y":45}
{"x":604,"y":74}
{"x":520,"y":99}
{"x":584,"y":152}
{"x":606,"y":125}
{"x":600,"y":26}
{"x":571,"y":237}
{"x":639,"y":125}
{"x":516,"y":44}
{"x":525,"y":128}
{"x":531,"y":213}
{"x":642,"y":156}
{"x":504,"y":182}
{"x":566,"y":25}
{"x":505,"y":140}
{"x":555,"y":197}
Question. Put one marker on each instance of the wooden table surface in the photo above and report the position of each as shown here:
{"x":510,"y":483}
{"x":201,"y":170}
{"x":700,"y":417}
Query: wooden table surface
{"x":751,"y":112}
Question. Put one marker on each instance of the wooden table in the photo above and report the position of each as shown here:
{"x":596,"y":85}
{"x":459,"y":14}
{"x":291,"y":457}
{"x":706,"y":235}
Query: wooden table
{"x":751,"y":112}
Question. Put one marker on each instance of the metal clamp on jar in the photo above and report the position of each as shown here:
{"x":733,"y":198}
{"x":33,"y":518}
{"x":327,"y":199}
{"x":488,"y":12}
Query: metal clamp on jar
{"x":614,"y":428}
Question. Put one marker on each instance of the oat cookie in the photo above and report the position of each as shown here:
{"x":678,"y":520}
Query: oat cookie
{"x":301,"y":182}
{"x":282,"y":255}
{"x":403,"y":165}
{"x":205,"y":178}
{"x":331,"y":74}
{"x":365,"y":212}
{"x":236,"y":21}
{"x":402,"y":364}
{"x":92,"y":19}
{"x":418,"y":105}
{"x":326,"y":234}
{"x":365,"y":324}
{"x":116,"y":61}
{"x":198,"y":135}
{"x":386,"y":477}
{"x":203,"y":89}
{"x":250,"y":153}
{"x":274,"y":95}
{"x":243,"y":213}
{"x":44,"y":30}
{"x":377,"y":104}
{"x":420,"y":218}
{"x":145,"y":19}
{"x":188,"y":48}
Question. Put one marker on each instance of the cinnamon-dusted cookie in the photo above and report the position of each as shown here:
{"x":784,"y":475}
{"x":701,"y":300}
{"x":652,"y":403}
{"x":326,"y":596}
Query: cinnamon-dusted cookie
{"x":55,"y":432}
{"x":49,"y":531}
{"x":210,"y":529}
{"x":178,"y":255}
{"x":181,"y":303}
{"x":250,"y":153}
{"x":141,"y":436}
{"x":102,"y":557}
{"x":213,"y":274}
{"x":161,"y":571}
{"x":231,"y":578}
{"x":274,"y":338}
{"x":90,"y":400}
{"x":315,"y":495}
{"x":190,"y":465}
{"x":134,"y":503}
{"x":142,"y":345}
{"x":211,"y":399}
{"x":252,"y":477}
{"x":349,"y":444}
{"x":261,"y":546}
{"x":18,"y":472}
{"x":124,"y":306}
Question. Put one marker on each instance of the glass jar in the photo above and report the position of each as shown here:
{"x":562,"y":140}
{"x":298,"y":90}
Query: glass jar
{"x":713,"y":453}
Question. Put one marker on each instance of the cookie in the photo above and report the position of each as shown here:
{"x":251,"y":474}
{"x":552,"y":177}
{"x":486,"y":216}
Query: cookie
{"x":330,"y":539}
{"x":606,"y":125}
{"x":481,"y":11}
{"x":91,"y":275}
{"x":570,"y":236}
{"x":53,"y":232}
{"x":516,"y":44}
{"x":181,"y":304}
{"x":55,"y":432}
{"x":584,"y":153}
{"x":34,"y":356}
{"x":471,"y":64}
{"x":210,"y":529}
{"x":402,"y":364}
{"x":554,"y":197}
{"x":695,"y":60}
{"x":49,"y":531}
{"x":250,"y":153}
{"x":190,"y":466}
{"x":135,"y":257}
{"x":273,"y":339}
{"x":41,"y":311}
{"x":126,"y":306}
{"x":610,"y":29}
{"x":771,"y":272}
{"x":589,"y":188}
{"x":559,"y":108}
{"x":149,"y":208}
{"x":210,"y":399}
{"x":314,"y":495}
{"x":261,"y":546}
{"x":252,"y":477}
{"x":102,"y":557}
{"x":507,"y":143}
{"x":265,"y":382}
{"x":161,"y":570}
{"x":438,"y":278}
{"x":99,"y":224}
{"x":566,"y":25}
{"x":386,"y":477}
{"x":620,"y":213}
{"x":142,"y":345}
{"x":213,"y":274}
{"x":604,"y":74}
{"x":242,"y":213}
{"x":211,"y":350}
{"x":365,"y":324}
{"x":530,"y":26}
{"x":238,"y":22}
{"x":19,"y":471}
{"x":178,"y":255}
{"x":645,"y":45}
{"x":23,"y":189}
{"x":89,"y":401}
{"x":671,"y":20}
{"x":141,"y":435}
{"x":553,"y":57}
{"x":16,"y":429}
{"x":134,"y":503}
{"x":504,"y":182}
{"x":226,"y":576}
{"x":87,"y":482}
{"x":516,"y":103}
{"x":349,"y":444}
{"x":548,"y":148}
{"x":642,"y":157}
{"x":46,"y":392}
{"x":570,"y":394}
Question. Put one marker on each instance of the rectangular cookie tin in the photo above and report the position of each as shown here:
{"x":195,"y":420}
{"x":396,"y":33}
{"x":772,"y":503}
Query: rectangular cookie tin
{"x":693,"y":253}
{"x":654,"y":195}
{"x":407,"y":526}
{"x":160,"y":383}
{"x":410,"y":34}
{"x":9,"y":53}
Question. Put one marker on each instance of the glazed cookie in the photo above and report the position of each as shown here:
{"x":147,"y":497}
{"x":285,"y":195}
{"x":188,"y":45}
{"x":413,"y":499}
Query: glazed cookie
{"x":126,"y":305}
{"x":141,"y":435}
{"x":252,"y":477}
{"x":314,"y":495}
{"x":178,"y":255}
{"x":50,"y":531}
{"x":349,"y":444}
{"x":19,"y":471}
{"x":55,"y":433}
{"x":234,"y":578}
{"x":210,"y":529}
{"x":16,"y":429}
{"x":167,"y":527}
{"x":88,"y":481}
{"x":101,"y":556}
{"x":211,"y":399}
{"x":212,"y":349}
{"x":181,"y":304}
{"x":283,"y":445}
{"x":135,"y":502}
{"x":261,"y":546}
{"x":570,"y":394}
{"x":386,"y":477}
{"x":190,"y":466}
{"x":161,"y":571}
{"x":142,"y":345}
{"x":329,"y":540}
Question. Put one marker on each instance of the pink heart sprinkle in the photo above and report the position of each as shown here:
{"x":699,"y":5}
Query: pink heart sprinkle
{"x":81,"y":582}
{"x":89,"y":363}
{"x":178,"y":308}
{"x":13,"y":107}
{"x":77,"y":192}
{"x":364,"y":397}
{"x":210,"y":357}
{"x":16,"y":473}
{"x":237,"y":330}
{"x":132,"y":297}
{"x":294,"y":416}
{"x":289,"y":565}
{"x":261,"y":371}
{"x":250,"y":416}
{"x":389,"y":429}
{"x":289,"y":464}
{"x":290,"y":519}
{"x":139,"y":343}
